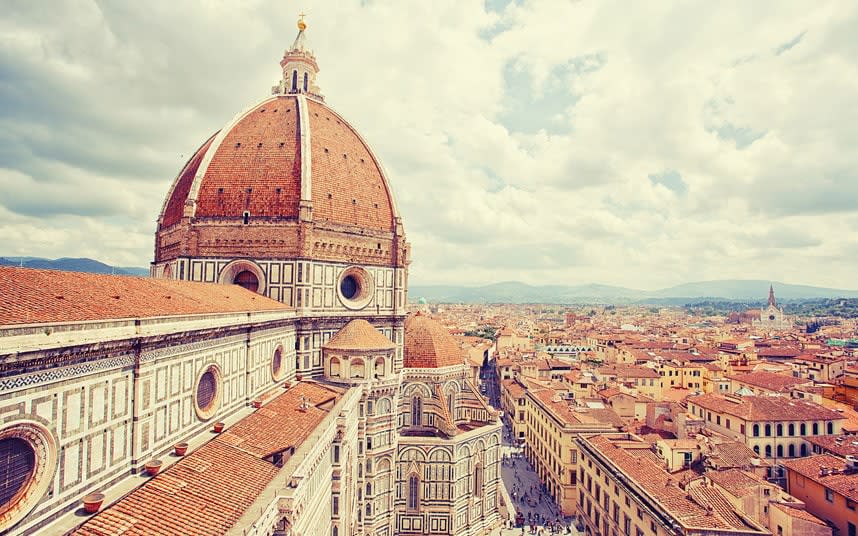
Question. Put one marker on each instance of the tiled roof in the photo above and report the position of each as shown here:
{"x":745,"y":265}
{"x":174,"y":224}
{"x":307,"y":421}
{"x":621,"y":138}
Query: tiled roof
{"x":209,"y":490}
{"x":359,"y":335}
{"x":811,"y":467}
{"x":727,"y":453}
{"x":628,"y":371}
{"x":429,"y":345}
{"x":175,"y":204}
{"x":839,"y":445}
{"x":771,"y":381}
{"x":38,"y":296}
{"x":260,"y":153}
{"x":765,"y":408}
{"x":347,"y":182}
{"x":739,"y":483}
{"x":798,"y":513}
{"x":257,"y":167}
{"x":662,"y":487}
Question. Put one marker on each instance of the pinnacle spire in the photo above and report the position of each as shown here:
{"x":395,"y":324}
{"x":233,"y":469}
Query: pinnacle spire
{"x":772,"y":301}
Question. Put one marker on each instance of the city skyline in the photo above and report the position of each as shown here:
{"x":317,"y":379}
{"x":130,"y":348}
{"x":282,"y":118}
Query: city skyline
{"x":536,"y":141}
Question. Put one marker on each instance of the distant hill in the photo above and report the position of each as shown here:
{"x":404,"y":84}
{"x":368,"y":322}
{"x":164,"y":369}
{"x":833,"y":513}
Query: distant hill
{"x":72,"y":265}
{"x":516,"y":292}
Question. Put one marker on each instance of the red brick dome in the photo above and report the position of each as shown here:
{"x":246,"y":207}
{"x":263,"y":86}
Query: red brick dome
{"x":286,"y":149}
{"x":429,"y":345}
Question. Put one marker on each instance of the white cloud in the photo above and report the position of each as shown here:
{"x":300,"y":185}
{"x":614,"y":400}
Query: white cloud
{"x":520,"y":141}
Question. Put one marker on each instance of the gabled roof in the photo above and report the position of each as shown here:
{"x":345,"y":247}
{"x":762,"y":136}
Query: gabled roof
{"x":50,"y":296}
{"x":359,"y":335}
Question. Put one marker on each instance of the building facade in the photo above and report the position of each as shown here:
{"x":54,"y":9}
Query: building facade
{"x":275,"y":316}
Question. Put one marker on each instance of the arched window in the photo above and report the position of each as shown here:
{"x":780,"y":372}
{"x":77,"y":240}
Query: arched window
{"x":830,"y":427}
{"x":791,"y":429}
{"x":802,"y":430}
{"x":768,"y":451}
{"x":368,"y":490}
{"x":368,"y":510}
{"x":335,"y":367}
{"x":450,"y":397}
{"x":768,"y":430}
{"x":413,"y":492}
{"x":379,"y":367}
{"x":780,"y":429}
{"x":294,"y":80}
{"x":357,"y":368}
{"x":803,"y":450}
{"x":756,"y":430}
{"x":335,"y":531}
{"x":305,"y":81}
{"x":416,"y":411}
{"x":791,"y":451}
{"x":757,"y":450}
{"x":816,"y":428}
{"x":478,"y":480}
{"x":780,"y":451}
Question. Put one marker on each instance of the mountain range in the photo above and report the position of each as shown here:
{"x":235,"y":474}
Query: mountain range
{"x":728,"y":289}
{"x":72,"y":265}
{"x":517,"y":292}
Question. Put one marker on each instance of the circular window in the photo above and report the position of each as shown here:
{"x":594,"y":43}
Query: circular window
{"x":771,"y":317}
{"x":207,"y":393}
{"x":27,"y":464}
{"x":349,"y":287}
{"x":247,"y":279}
{"x":17,"y":464}
{"x":245,"y":274}
{"x":277,"y":363}
{"x":355,"y":287}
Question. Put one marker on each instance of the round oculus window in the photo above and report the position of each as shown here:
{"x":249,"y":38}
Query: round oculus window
{"x":207,"y":393}
{"x":247,"y":279}
{"x":355,"y":287}
{"x":771,"y":317}
{"x":349,"y":287}
{"x":17,"y":465}
{"x":277,"y":363}
{"x":28,"y":460}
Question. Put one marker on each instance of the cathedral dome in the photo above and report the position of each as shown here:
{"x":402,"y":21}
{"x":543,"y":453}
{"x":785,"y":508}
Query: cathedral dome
{"x":429,"y":345}
{"x":282,"y":151}
{"x":286,"y":178}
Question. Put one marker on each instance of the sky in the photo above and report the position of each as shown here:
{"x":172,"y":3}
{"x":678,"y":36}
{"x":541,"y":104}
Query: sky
{"x":642,"y":144}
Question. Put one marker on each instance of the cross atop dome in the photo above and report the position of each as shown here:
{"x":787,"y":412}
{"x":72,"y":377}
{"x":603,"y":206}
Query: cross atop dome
{"x":299,"y":67}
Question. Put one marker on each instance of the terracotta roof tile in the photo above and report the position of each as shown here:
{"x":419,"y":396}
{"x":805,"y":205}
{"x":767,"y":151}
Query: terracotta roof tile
{"x":359,"y":335}
{"x":772,"y":381}
{"x":765,"y":408}
{"x":208,"y":491}
{"x":841,"y":482}
{"x":38,"y":296}
{"x":662,"y":487}
{"x":429,"y":345}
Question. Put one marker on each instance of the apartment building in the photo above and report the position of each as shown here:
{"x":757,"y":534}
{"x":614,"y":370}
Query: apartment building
{"x":774,"y":427}
{"x":552,"y":423}
{"x":623,"y":490}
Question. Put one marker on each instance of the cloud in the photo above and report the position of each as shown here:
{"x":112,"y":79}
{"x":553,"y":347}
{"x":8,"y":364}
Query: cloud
{"x":545,"y":141}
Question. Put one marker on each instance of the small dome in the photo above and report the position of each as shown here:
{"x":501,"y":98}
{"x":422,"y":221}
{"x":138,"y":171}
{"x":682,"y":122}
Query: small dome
{"x":429,"y":345}
{"x":359,"y":335}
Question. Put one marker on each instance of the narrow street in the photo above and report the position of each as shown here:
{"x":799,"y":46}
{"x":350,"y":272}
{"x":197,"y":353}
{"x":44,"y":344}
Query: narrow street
{"x":541,"y":513}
